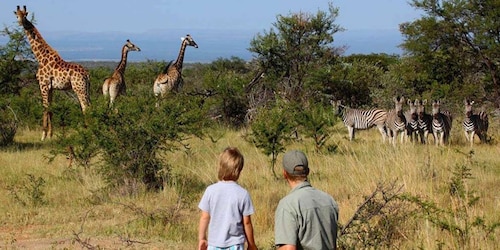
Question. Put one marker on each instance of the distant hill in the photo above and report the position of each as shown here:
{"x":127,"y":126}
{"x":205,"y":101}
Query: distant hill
{"x":213,"y":44}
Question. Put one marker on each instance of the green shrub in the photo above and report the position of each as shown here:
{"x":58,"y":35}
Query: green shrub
{"x":29,"y":192}
{"x":270,"y":131}
{"x":129,"y":138}
{"x":8,"y":125}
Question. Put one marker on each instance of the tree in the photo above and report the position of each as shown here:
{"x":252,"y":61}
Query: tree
{"x":17,"y":80}
{"x":299,"y":44}
{"x":315,"y":122}
{"x":457,"y":43}
{"x":271,"y":130}
{"x":17,"y":64}
{"x":221,"y":85}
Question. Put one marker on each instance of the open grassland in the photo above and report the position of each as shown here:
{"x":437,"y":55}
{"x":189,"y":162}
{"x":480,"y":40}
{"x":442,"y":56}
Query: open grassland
{"x":46,"y":204}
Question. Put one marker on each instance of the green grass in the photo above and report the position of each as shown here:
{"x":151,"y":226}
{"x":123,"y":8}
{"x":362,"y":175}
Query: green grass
{"x":74,"y":210}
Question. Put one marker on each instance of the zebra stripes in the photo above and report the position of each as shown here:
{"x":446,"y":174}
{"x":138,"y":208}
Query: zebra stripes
{"x":475,"y":123}
{"x":411,"y":117}
{"x":441,"y":123}
{"x":396,"y":121}
{"x":360,"y":119}
{"x":424,"y":121}
{"x":415,"y":121}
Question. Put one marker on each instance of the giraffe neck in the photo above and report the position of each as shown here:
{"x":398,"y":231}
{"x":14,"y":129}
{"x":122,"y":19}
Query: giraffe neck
{"x":180,"y":58}
{"x":123,"y":62}
{"x":41,"y":49}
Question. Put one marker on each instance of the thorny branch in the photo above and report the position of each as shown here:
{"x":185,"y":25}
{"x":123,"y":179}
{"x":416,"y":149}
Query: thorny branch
{"x":84,"y":242}
{"x":387,"y":193}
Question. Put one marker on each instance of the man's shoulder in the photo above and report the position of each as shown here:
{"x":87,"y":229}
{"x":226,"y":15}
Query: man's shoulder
{"x":307,"y":194}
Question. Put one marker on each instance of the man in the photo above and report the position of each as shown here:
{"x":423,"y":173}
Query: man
{"x":307,"y":217}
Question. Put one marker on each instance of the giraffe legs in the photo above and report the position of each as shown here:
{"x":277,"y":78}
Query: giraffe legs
{"x":46,"y":92}
{"x":47,"y":124}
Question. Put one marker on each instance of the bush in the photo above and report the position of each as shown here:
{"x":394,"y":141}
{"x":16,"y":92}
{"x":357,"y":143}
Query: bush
{"x":316,"y":123}
{"x":130,"y":137}
{"x":270,"y":132}
{"x":8,"y":125}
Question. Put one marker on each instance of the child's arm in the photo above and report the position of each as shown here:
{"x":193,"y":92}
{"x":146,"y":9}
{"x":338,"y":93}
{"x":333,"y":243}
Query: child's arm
{"x":247,"y":223}
{"x":202,"y":230}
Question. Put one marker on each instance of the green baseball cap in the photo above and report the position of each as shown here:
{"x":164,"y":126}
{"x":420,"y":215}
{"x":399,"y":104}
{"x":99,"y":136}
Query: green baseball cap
{"x":295,"y":163}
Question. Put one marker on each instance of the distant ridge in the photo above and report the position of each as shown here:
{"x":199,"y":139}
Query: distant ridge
{"x":163,"y":45}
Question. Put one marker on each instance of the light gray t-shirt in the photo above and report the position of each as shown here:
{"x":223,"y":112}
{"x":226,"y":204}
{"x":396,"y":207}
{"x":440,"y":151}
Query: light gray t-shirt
{"x":227,"y":203}
{"x":307,"y":218}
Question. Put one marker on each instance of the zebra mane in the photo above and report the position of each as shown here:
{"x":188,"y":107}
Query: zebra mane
{"x":343,"y":106}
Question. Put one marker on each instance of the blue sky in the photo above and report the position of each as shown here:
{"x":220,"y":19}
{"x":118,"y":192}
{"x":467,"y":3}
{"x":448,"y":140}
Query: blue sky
{"x":222,"y":28}
{"x":138,"y":16}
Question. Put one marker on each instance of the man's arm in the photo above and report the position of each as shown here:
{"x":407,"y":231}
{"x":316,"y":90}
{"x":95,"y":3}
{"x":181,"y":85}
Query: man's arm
{"x":287,"y":247}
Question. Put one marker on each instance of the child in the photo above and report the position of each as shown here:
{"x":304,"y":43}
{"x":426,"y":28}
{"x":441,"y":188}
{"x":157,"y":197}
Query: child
{"x":226,"y":208}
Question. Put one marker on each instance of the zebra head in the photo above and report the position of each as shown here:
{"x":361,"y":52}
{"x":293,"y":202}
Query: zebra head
{"x":413,"y":109}
{"x":398,"y":102}
{"x":337,"y":107}
{"x":436,"y":107}
{"x":468,"y":107}
{"x":420,"y":108}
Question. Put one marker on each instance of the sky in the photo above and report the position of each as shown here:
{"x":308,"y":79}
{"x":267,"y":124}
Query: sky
{"x":150,"y":16}
{"x":143,"y":15}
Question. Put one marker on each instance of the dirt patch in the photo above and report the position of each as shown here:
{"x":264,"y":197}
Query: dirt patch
{"x":26,"y":238}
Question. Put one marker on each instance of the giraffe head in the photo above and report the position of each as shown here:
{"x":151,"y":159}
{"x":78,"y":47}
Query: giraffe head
{"x":188,"y":40}
{"x":22,"y":19}
{"x":131,"y":47}
{"x":21,"y":14}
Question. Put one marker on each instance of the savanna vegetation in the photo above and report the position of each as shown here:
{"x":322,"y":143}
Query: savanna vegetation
{"x":132,"y":175}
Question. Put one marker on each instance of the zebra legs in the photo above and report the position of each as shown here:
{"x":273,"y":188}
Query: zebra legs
{"x":383,"y":131}
{"x":469,"y":135}
{"x":350,"y":129}
{"x":439,"y":138}
{"x":442,"y":137}
{"x":403,"y":136}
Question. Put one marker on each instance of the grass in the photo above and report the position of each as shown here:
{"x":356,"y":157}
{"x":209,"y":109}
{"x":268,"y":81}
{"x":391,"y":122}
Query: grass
{"x":69,"y":209}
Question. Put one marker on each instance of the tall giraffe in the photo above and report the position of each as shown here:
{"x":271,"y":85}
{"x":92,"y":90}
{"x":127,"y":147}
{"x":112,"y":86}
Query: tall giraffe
{"x":53,"y":72}
{"x":171,"y":77}
{"x":115,"y":84}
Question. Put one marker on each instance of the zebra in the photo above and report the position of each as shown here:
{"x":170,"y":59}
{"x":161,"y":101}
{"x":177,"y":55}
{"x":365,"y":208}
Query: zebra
{"x":441,"y":123}
{"x":360,"y":119}
{"x":475,"y":123}
{"x":411,"y":117}
{"x":396,"y":121}
{"x":424,"y":121}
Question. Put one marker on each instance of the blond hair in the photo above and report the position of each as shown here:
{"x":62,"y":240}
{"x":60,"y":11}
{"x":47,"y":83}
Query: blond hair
{"x":230,"y":164}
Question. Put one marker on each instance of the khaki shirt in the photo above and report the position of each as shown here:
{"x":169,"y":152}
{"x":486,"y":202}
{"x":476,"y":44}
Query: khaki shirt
{"x":307,"y":218}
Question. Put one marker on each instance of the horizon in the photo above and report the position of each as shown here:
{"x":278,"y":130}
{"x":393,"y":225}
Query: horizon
{"x":221,"y":28}
{"x":213,"y":44}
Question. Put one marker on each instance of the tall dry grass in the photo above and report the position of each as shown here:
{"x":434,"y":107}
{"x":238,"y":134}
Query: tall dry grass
{"x":74,"y":211}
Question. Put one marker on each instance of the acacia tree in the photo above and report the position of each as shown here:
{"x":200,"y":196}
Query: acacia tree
{"x":17,"y":65}
{"x":271,"y":131}
{"x":298,"y":45}
{"x":457,"y":44}
{"x":221,"y":84}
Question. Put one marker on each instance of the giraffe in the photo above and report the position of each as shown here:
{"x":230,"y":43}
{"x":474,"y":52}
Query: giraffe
{"x":115,"y":84}
{"x":171,"y":78}
{"x":53,"y":72}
